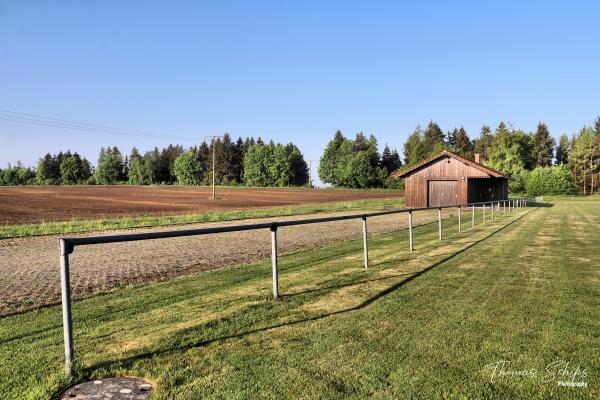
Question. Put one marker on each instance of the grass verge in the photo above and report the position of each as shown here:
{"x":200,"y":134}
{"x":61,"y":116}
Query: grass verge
{"x":430,"y":324}
{"x":77,"y":226}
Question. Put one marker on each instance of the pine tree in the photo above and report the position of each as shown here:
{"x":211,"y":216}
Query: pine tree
{"x":543,"y":146}
{"x":433,"y":138}
{"x":483,"y":144}
{"x":562,"y":150}
{"x":463,"y":146}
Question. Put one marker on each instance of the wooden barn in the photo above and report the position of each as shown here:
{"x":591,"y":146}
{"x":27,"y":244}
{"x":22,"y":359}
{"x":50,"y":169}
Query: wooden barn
{"x":448,"y":179}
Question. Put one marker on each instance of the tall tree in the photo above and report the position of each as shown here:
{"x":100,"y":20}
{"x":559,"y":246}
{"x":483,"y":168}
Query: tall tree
{"x":329,"y":160}
{"x":463,"y":145}
{"x":543,"y":146}
{"x":110,"y":168}
{"x":433,"y":138}
{"x":390,"y":159}
{"x":414,"y":148}
{"x":188,"y":168}
{"x":483,"y":144}
{"x":562,"y":150}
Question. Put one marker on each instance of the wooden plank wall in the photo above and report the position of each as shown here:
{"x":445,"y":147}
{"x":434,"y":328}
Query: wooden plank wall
{"x":416,"y":184}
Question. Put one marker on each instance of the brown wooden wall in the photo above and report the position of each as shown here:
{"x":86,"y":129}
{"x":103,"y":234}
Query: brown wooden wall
{"x":447,"y":168}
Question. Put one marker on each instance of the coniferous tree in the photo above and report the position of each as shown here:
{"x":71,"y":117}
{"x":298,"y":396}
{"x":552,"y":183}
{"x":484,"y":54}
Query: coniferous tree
{"x":483,"y":143}
{"x":463,"y":146}
{"x":433,"y":138}
{"x":543,"y":146}
{"x":562,"y":150}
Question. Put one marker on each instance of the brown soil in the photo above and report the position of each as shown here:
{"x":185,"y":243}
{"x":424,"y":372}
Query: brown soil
{"x":28,"y":205}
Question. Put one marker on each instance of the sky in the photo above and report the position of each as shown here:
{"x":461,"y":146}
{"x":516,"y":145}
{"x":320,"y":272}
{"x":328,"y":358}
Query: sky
{"x":291,"y":71}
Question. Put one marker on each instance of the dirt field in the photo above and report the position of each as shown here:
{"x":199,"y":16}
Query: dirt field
{"x":28,"y":205}
{"x":29,"y":273}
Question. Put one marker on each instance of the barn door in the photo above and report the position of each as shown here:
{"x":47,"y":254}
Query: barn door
{"x":443,"y":193}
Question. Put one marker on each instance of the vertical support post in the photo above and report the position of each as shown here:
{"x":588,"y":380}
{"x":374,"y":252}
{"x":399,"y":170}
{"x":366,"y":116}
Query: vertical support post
{"x":472,"y":216}
{"x":365,"y":241}
{"x":439,"y":223}
{"x":484,"y":213}
{"x":459,"y":227}
{"x":504,"y":207}
{"x":65,"y":290}
{"x":213,"y":168}
{"x":274,"y":260}
{"x":492,"y":207}
{"x":410,"y":231}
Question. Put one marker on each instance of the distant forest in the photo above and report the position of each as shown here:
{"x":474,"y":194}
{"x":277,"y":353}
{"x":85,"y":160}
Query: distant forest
{"x":535,"y":163}
{"x":243,"y":162}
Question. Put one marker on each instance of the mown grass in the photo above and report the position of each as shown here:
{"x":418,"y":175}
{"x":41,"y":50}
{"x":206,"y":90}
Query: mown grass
{"x":77,"y":226}
{"x":425,"y":325}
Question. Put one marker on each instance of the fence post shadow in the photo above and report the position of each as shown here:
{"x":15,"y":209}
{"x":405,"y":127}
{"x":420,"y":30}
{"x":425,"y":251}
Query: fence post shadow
{"x":128,"y":361}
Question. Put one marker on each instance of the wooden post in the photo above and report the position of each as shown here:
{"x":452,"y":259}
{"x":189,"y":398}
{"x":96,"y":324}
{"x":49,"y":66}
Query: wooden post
{"x":492,"y":207}
{"x":472,"y":216}
{"x":484,"y":213}
{"x":439,"y":223}
{"x":410,"y":232}
{"x":365,"y":242}
{"x":274,"y":261}
{"x":459,"y":227}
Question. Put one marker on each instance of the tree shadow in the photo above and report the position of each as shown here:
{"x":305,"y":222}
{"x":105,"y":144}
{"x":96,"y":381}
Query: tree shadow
{"x":128,"y":361}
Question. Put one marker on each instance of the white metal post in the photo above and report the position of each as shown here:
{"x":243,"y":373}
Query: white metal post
{"x":274,"y":261}
{"x":439,"y":223}
{"x":65,"y":288}
{"x":504,"y":207}
{"x":365,"y":242}
{"x":459,"y":227}
{"x":410,"y":231}
{"x":492,"y":207}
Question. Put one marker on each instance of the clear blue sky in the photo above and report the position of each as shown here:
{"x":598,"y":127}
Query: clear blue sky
{"x":292,"y":71}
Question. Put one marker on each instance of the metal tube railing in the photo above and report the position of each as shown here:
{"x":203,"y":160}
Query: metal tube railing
{"x":67,"y":245}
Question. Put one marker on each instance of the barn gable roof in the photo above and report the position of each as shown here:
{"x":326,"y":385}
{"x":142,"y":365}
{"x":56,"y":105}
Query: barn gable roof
{"x":445,"y":153}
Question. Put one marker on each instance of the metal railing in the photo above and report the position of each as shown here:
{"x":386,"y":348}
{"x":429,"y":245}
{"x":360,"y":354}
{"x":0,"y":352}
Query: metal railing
{"x":67,"y":246}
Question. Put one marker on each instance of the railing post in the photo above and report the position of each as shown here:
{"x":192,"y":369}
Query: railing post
{"x":65,"y":290}
{"x":484,"y":213}
{"x":459,"y":227}
{"x":365,"y":241}
{"x":473,"y":216}
{"x":410,"y":231}
{"x":274,"y":260}
{"x":504,"y":207}
{"x":439,"y":223}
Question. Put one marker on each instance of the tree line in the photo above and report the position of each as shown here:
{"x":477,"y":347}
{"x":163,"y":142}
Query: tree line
{"x":534,"y":161}
{"x":243,"y":162}
{"x":357,"y":163}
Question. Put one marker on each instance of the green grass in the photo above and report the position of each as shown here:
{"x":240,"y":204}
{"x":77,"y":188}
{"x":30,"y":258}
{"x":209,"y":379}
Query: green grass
{"x":74,"y":226}
{"x":523,"y":288}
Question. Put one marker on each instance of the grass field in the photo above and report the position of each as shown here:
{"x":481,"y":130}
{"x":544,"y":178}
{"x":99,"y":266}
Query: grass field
{"x":431,"y":324}
{"x":77,"y":226}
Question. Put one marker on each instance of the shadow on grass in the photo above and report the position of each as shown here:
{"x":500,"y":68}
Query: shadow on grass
{"x":128,"y":361}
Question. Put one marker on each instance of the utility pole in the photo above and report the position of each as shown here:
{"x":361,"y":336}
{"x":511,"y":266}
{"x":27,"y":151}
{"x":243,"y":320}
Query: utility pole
{"x":213,"y":162}
{"x":310,"y":182}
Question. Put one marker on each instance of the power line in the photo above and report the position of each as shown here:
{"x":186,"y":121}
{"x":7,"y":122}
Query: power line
{"x":39,"y":120}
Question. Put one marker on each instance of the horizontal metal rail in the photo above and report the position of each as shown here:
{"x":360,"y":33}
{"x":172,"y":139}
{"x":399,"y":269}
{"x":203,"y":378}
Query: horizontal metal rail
{"x":130,"y":237}
{"x":67,"y":245}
